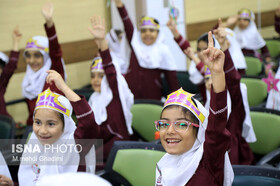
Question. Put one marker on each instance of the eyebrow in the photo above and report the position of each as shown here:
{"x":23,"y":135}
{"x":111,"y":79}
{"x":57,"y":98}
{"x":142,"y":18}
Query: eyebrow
{"x":176,"y":119}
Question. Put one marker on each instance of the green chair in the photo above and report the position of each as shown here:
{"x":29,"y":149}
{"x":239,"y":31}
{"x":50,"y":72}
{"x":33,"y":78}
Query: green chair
{"x":254,"y":66}
{"x":256,"y":91}
{"x":248,"y":175}
{"x":266,"y":127}
{"x":132,"y":163}
{"x":273,"y":47}
{"x":144,"y":116}
{"x":7,"y":127}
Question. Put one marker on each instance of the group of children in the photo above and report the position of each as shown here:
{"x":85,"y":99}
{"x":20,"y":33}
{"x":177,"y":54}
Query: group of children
{"x":203,"y":141}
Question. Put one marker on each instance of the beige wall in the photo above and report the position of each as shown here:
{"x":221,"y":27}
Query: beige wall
{"x":205,"y":10}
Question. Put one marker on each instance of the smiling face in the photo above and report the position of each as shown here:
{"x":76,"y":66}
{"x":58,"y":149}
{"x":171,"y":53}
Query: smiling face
{"x":35,"y":59}
{"x":175,"y":142}
{"x":96,"y":79}
{"x":47,"y":126}
{"x":149,"y":35}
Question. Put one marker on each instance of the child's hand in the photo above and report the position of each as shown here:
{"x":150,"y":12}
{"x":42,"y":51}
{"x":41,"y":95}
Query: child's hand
{"x":173,"y":27}
{"x":220,"y":34}
{"x":47,"y":11}
{"x":213,"y":57}
{"x":231,"y":20}
{"x":97,"y":28}
{"x":54,"y":77}
{"x":16,"y":38}
{"x":5,"y":181}
{"x":119,"y":3}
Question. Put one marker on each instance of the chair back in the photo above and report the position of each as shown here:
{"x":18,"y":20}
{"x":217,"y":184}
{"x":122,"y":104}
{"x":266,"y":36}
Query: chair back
{"x":273,"y":47}
{"x":256,"y":91}
{"x":254,"y":66}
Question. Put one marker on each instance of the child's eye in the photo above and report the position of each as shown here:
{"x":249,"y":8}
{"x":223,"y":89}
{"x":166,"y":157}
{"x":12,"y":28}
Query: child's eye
{"x":163,"y":124}
{"x":37,"y":122}
{"x":51,"y":124}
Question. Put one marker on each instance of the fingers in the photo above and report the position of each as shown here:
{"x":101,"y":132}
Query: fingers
{"x":220,"y":22}
{"x":210,"y":40}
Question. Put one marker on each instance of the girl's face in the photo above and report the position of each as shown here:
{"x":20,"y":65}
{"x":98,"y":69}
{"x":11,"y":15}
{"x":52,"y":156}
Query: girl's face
{"x":47,"y":125}
{"x":177,"y":142}
{"x":96,"y":78}
{"x":149,"y":36}
{"x":208,"y":82}
{"x":243,"y":23}
{"x":201,"y":45}
{"x":35,"y":59}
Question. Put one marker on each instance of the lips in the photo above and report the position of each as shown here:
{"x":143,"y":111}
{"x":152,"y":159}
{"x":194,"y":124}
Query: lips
{"x":172,"y":141}
{"x":44,"y":138}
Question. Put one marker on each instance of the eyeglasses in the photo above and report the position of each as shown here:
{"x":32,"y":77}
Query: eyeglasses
{"x":179,"y":126}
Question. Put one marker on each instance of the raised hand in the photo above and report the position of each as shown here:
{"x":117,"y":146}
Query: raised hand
{"x":231,"y":21}
{"x":191,"y":55}
{"x":119,"y":3}
{"x":47,"y":12}
{"x":55,"y":78}
{"x":214,"y":59}
{"x":173,"y":27}
{"x":220,"y":34}
{"x":97,"y":28}
{"x":16,"y":38}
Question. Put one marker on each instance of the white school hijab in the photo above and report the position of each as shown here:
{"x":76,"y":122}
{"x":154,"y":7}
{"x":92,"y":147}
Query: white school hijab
{"x":178,"y":169}
{"x":100,"y":100}
{"x":155,"y":56}
{"x":4,"y":57}
{"x":4,"y":170}
{"x":273,"y":99}
{"x":237,"y":55}
{"x":33,"y":168}
{"x":33,"y":82}
{"x":73,"y":179}
{"x":119,"y":49}
{"x":249,"y":38}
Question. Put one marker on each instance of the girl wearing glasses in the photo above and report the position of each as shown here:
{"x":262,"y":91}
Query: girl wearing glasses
{"x":196,"y":156}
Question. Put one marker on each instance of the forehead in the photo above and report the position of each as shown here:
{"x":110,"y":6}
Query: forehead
{"x":32,"y":52}
{"x":46,"y":112}
{"x":99,"y":72}
{"x":176,"y":112}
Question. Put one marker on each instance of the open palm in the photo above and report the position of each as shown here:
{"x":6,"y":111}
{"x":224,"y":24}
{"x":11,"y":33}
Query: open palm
{"x":47,"y":11}
{"x":97,"y":28}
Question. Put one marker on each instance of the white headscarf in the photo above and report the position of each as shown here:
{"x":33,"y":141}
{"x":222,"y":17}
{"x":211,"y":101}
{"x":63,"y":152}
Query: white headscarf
{"x":178,"y":169}
{"x":119,"y":49}
{"x":235,"y":50}
{"x":100,"y":100}
{"x":4,"y":57}
{"x":155,"y":56}
{"x":73,"y":179}
{"x":4,"y":170}
{"x":273,"y":99}
{"x":250,"y":37}
{"x":33,"y":82}
{"x":32,"y":168}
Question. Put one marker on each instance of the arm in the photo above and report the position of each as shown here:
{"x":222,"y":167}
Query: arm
{"x":128,"y":26}
{"x":172,"y":80}
{"x":54,"y":46}
{"x":97,"y":30}
{"x":13,"y":60}
{"x":265,"y":53}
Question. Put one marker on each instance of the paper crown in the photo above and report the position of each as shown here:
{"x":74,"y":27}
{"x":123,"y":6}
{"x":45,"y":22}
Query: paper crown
{"x":96,"y":64}
{"x":33,"y":44}
{"x":48,"y":99}
{"x":183,"y":98}
{"x":207,"y":72}
{"x":148,"y":22}
{"x":245,"y":13}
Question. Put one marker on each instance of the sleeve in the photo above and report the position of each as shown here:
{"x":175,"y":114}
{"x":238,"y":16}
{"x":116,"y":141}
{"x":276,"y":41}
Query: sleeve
{"x":265,"y":52}
{"x":200,"y":67}
{"x":217,"y":137}
{"x":277,"y":24}
{"x":110,"y":71}
{"x":172,"y":80}
{"x":8,"y":71}
{"x":128,"y":26}
{"x":87,"y":128}
{"x":183,"y":43}
{"x":55,"y":51}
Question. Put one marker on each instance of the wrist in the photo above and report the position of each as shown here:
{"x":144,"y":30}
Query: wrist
{"x":119,"y":5}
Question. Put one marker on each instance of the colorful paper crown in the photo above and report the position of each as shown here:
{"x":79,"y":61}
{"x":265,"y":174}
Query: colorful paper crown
{"x":96,"y":64}
{"x":183,"y":98}
{"x":245,"y":13}
{"x":148,"y":22}
{"x":48,"y":99}
{"x":207,"y":72}
{"x":33,"y":44}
